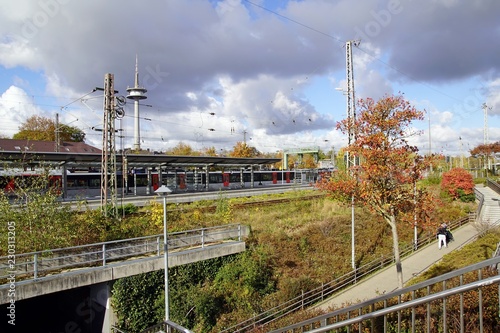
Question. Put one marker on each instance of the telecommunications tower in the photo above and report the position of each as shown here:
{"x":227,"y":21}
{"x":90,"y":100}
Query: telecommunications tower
{"x":136,"y":93}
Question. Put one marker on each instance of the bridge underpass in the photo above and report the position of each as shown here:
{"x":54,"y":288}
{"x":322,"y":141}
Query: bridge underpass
{"x":68,"y":290}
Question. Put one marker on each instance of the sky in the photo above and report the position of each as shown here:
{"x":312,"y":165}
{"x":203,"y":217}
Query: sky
{"x":266,"y":72}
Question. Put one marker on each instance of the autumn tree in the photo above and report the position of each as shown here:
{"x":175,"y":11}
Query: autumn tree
{"x":485,"y":152}
{"x":182,"y":149}
{"x":307,"y":162}
{"x":209,"y":151}
{"x":459,"y":184}
{"x":486,"y":149}
{"x":386,"y":179}
{"x":44,"y":129}
{"x":241,"y":149}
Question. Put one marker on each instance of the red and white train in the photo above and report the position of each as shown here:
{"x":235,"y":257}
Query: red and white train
{"x":87,"y":184}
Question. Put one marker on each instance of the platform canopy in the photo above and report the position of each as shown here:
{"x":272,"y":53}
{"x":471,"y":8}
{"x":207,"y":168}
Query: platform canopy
{"x":133,"y":160}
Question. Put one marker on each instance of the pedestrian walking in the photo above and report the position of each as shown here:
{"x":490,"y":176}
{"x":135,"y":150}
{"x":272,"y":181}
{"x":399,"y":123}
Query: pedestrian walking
{"x":441,"y":236}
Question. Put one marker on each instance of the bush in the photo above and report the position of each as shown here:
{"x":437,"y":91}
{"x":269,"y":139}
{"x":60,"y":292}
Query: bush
{"x":127,"y":209}
{"x":458,"y":184}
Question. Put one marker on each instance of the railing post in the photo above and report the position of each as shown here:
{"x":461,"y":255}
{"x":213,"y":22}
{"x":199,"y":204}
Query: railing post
{"x":158,"y":245}
{"x":239,"y":232}
{"x":35,"y":266}
{"x":104,"y":254}
{"x":445,"y":324}
{"x":203,"y":238}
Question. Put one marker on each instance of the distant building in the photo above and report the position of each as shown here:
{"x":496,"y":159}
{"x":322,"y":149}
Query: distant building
{"x":326,"y":164}
{"x":47,"y":146}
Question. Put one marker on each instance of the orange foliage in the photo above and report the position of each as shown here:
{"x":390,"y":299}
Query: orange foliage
{"x":241,"y":149}
{"x":386,"y":179}
{"x":486,"y":149}
{"x":457,"y":182}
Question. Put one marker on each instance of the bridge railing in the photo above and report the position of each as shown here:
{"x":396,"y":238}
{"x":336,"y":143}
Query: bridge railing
{"x":493,"y":185}
{"x":37,"y":264}
{"x":166,"y":326}
{"x":480,"y":203}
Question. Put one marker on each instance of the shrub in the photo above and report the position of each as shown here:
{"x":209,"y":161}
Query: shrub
{"x":458,"y":184}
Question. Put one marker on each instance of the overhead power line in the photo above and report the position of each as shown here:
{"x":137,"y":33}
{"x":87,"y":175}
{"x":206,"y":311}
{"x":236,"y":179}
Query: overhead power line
{"x":361,"y":49}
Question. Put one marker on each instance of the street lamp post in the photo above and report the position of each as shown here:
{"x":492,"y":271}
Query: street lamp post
{"x":163,"y":191}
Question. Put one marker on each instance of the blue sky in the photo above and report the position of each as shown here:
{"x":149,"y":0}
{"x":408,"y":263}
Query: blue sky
{"x":218,"y":72}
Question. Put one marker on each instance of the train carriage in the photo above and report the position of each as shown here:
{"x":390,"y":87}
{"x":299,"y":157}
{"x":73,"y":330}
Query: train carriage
{"x":87,"y":184}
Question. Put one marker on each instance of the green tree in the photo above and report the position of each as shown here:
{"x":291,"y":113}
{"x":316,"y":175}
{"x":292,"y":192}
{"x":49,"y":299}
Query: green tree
{"x":32,"y":203}
{"x":44,"y":129}
{"x":386,"y":179}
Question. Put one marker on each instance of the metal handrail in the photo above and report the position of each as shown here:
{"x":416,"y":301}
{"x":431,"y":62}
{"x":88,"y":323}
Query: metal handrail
{"x":397,"y":296}
{"x":480,"y":205}
{"x":493,"y":185}
{"x":33,"y":265}
{"x":166,"y":326}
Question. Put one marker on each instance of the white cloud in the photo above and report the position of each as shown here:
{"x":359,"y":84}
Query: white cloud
{"x":234,"y":67}
{"x":15,"y":107}
{"x":15,"y":52}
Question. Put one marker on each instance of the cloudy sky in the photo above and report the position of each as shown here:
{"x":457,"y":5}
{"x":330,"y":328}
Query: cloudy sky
{"x":263,"y":71}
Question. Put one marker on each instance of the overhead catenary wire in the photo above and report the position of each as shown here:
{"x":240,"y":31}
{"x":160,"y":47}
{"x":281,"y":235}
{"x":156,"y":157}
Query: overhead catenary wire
{"x":360,"y":48}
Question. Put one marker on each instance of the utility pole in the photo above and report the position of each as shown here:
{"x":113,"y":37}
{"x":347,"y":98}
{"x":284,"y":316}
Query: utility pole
{"x":58,"y":144}
{"x":351,"y":101}
{"x":485,"y":131}
{"x":351,"y":118}
{"x":486,"y":139}
{"x":109,"y":187}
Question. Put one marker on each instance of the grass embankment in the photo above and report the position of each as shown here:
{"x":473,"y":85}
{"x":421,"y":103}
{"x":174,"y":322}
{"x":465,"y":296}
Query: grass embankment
{"x":294,"y":246}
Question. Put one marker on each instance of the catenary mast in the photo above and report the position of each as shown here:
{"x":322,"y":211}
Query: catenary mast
{"x":351,"y":118}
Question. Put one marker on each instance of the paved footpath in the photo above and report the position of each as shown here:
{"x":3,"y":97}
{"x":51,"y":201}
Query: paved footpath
{"x":385,"y":281}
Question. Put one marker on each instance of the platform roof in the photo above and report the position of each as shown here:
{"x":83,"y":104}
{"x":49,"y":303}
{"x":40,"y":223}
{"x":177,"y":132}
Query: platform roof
{"x":133,"y":160}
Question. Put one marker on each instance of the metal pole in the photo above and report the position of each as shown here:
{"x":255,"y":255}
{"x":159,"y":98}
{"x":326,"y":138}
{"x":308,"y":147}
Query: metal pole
{"x":165,"y":255}
{"x":415,"y":246}
{"x":351,"y":115}
{"x":353,"y":259}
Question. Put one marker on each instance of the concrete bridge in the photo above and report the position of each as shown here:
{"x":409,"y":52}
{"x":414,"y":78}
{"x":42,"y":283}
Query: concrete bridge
{"x":77,"y":281}
{"x":44,"y":272}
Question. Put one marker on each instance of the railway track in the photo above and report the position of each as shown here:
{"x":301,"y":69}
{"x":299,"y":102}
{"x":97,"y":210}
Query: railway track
{"x":197,"y":196}
{"x":259,"y":203}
